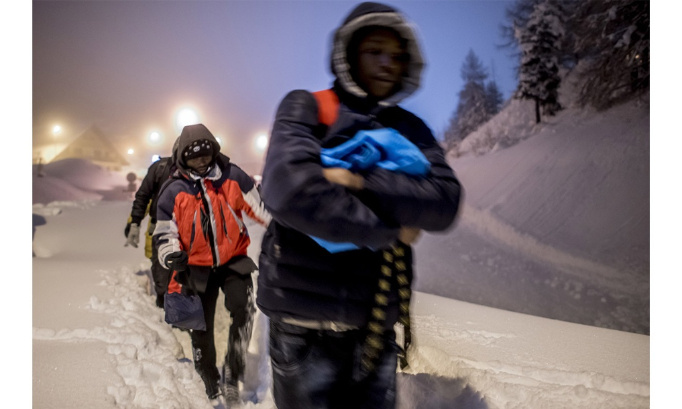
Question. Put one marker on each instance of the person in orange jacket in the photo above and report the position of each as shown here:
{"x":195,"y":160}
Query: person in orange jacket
{"x":202,"y":238}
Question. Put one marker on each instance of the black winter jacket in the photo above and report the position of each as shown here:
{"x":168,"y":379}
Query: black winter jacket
{"x":299,"y":279}
{"x":157,"y":174}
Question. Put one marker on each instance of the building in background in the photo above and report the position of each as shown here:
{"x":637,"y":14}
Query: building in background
{"x":95,"y":146}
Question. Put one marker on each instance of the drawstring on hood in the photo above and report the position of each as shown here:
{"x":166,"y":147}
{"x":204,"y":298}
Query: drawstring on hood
{"x":376,"y":14}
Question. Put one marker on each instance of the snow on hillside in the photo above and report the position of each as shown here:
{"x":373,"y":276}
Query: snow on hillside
{"x":557,"y":223}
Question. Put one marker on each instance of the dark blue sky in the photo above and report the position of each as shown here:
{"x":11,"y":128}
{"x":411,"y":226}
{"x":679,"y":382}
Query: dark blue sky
{"x":128,"y":66}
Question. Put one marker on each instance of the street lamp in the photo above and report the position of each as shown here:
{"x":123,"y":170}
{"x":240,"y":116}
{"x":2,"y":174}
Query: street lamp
{"x":154,"y":137}
{"x":184,"y":117}
{"x":260,"y":143}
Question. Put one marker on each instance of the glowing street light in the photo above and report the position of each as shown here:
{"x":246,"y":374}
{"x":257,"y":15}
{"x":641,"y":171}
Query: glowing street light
{"x":261,"y":143}
{"x":154,"y":136}
{"x":56,"y":130}
{"x":186,"y":116}
{"x":131,"y":151}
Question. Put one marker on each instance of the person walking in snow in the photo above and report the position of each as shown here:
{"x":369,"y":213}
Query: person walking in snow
{"x":145,"y":203}
{"x":202,"y":238}
{"x":332,"y":312}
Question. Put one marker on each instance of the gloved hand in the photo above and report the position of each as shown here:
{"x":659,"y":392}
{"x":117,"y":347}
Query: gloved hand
{"x":133,"y":235}
{"x":176,"y":261}
{"x":182,"y":278}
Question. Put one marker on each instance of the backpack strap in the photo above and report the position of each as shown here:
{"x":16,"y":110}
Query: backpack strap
{"x":327,"y":106}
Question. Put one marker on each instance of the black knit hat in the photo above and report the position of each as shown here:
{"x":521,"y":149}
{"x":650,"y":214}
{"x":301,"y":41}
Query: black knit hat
{"x":201,"y":147}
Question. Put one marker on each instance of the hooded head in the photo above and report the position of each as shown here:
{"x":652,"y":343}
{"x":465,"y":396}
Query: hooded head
{"x":365,"y":19}
{"x":195,"y":141}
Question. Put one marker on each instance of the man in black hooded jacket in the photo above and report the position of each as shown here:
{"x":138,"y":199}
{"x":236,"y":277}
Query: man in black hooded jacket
{"x":328,"y":309}
{"x":145,"y":203}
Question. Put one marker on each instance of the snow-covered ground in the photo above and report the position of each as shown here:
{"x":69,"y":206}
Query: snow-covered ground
{"x":554,"y":233}
{"x":99,"y":341}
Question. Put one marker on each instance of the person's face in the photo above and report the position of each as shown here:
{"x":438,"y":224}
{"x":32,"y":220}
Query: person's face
{"x":199,"y":164}
{"x":381,"y":63}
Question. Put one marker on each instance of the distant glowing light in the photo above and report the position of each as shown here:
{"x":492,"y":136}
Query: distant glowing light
{"x":261,"y":143}
{"x":155,"y":158}
{"x":56,"y":130}
{"x":154,"y":136}
{"x":186,"y":116}
{"x":131,"y":151}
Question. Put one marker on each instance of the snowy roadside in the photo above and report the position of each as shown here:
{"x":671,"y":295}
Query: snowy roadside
{"x":99,"y":341}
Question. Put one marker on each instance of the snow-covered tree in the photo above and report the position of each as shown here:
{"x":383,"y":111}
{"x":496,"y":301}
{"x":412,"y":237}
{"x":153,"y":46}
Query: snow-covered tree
{"x":540,"y":41}
{"x":613,"y":39}
{"x":493,"y":98}
{"x":471,"y":110}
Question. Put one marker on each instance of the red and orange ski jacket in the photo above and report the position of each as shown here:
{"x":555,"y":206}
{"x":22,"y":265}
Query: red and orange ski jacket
{"x":204,"y":215}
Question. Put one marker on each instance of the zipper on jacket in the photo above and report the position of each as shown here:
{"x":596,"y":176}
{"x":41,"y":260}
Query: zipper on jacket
{"x":224,"y":223}
{"x":194,"y":231}
{"x":206,"y":202}
{"x":239,"y":221}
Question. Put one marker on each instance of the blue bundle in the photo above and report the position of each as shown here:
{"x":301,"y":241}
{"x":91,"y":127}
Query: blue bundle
{"x":385,"y":148}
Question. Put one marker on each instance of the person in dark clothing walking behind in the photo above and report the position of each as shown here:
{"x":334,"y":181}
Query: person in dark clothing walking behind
{"x":145,"y":203}
{"x":202,"y":238}
{"x":332,"y":313}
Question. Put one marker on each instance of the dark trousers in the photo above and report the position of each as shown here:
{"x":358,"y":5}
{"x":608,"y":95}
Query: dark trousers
{"x":321,"y":370}
{"x":239,"y":301}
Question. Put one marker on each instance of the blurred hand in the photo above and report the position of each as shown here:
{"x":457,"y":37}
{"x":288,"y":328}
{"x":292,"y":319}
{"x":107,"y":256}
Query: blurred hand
{"x":409,"y":235}
{"x":133,"y":235}
{"x":344,"y":177}
{"x":177,"y":261}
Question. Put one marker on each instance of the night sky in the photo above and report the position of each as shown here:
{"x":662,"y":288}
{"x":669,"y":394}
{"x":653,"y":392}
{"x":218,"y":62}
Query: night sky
{"x":128,"y":67}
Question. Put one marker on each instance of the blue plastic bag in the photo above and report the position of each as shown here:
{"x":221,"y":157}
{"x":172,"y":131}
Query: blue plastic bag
{"x":385,"y":148}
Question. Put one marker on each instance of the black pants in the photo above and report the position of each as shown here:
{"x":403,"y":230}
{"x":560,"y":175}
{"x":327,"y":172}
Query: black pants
{"x":239,"y":301}
{"x":313,"y":369}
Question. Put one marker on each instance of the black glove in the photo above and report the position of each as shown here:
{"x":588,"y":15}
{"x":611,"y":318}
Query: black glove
{"x":177,"y":261}
{"x":182,"y":278}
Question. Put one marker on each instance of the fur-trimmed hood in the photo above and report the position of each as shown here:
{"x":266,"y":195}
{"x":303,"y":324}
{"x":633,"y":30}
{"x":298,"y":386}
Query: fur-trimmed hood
{"x":376,"y":14}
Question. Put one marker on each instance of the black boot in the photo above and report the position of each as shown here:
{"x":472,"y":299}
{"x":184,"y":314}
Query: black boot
{"x":213,"y":390}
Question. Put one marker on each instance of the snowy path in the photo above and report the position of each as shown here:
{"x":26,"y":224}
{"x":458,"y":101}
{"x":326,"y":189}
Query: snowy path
{"x":99,"y":341}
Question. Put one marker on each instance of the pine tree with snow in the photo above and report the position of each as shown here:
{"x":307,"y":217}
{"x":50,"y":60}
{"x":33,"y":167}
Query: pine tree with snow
{"x":613,"y":41}
{"x":472,"y":109}
{"x":493,"y":98}
{"x":540,"y":41}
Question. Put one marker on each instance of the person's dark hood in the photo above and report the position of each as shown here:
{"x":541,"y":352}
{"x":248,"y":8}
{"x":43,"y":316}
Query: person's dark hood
{"x":189,"y":134}
{"x":376,"y":14}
